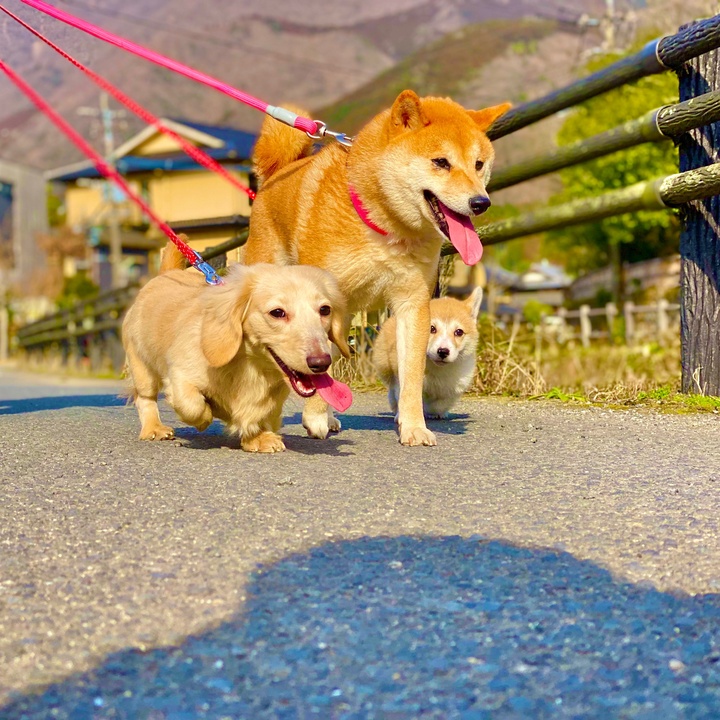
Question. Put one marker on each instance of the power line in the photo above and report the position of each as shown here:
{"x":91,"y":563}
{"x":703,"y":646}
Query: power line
{"x":216,"y":40}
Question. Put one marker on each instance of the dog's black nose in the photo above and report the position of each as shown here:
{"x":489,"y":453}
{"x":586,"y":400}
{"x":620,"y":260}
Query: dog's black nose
{"x":319,"y":363}
{"x":442,"y":353}
{"x":479,"y":204}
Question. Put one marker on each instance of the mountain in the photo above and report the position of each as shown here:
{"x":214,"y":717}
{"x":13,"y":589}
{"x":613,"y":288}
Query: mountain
{"x":309,"y":53}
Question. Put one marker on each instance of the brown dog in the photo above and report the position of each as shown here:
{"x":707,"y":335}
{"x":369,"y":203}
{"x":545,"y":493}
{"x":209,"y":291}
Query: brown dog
{"x":376,"y":215}
{"x":233,"y":351}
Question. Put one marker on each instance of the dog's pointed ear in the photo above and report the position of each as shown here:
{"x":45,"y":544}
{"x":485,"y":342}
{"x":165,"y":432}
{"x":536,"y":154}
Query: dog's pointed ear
{"x":474,"y":301}
{"x":407,"y":113}
{"x":487,"y":116}
{"x":340,"y":320}
{"x":339,"y":330}
{"x":221,"y":330}
{"x":340,"y":324}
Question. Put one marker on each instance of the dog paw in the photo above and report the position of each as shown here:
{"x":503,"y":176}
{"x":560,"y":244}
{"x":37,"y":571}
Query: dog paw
{"x":417,"y":436}
{"x":318,"y":427}
{"x":157,"y":432}
{"x":334,"y":425}
{"x":265,"y":442}
{"x":205,"y":419}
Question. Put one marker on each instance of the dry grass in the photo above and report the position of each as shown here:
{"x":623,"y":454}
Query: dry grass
{"x":513,"y":362}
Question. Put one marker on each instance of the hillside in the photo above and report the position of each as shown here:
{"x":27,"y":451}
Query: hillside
{"x":516,"y":60}
{"x":311,"y":53}
{"x":445,"y":67}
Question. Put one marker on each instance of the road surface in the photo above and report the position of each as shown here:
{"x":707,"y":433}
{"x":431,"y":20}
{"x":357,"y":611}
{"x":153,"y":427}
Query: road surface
{"x":545,"y":560}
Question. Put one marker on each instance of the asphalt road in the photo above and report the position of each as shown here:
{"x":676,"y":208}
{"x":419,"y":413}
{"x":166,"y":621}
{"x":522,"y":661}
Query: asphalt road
{"x":543,"y":561}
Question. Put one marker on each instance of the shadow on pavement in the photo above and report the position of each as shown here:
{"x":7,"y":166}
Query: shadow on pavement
{"x":63,"y":402}
{"x":216,"y":437}
{"x":455,"y":424}
{"x":406,"y":628}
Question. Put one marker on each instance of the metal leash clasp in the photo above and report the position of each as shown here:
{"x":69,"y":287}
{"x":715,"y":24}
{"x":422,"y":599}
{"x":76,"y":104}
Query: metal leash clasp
{"x":323,"y":133}
{"x":211,"y":276}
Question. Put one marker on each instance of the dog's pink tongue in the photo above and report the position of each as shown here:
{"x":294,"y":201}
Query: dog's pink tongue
{"x":463,"y":236}
{"x":333,"y":392}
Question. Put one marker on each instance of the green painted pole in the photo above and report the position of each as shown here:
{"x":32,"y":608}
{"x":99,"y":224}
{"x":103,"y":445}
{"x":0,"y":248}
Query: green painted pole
{"x":664,"y":123}
{"x":660,"y":55}
{"x":660,"y":194}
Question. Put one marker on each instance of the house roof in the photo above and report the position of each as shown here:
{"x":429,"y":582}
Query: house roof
{"x":226,"y":221}
{"x":219,"y":142}
{"x":540,"y":276}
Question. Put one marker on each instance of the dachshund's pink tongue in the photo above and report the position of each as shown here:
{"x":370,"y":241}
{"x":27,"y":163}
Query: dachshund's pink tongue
{"x":463,"y":236}
{"x":333,"y":392}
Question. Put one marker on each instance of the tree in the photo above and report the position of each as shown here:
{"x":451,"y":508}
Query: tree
{"x":58,"y":245}
{"x":633,"y":237}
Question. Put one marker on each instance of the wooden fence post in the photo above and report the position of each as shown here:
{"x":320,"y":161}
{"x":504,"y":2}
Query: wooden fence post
{"x":662,"y":319}
{"x":585,"y":325}
{"x":700,"y":242}
{"x":628,"y":309}
{"x":610,"y":315}
{"x":4,"y":332}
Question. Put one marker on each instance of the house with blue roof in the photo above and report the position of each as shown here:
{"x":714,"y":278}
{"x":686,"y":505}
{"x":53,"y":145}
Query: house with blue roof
{"x":190,"y":198}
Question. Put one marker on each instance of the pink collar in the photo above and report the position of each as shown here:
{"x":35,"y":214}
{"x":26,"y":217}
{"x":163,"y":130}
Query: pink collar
{"x":362,"y":211}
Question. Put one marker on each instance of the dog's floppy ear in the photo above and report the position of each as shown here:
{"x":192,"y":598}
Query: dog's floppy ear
{"x":221,"y":330}
{"x":487,"y":116}
{"x":407,"y":113}
{"x":474,"y":301}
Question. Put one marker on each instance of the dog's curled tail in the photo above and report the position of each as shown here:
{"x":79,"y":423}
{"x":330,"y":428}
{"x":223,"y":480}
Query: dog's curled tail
{"x":172,"y":258}
{"x":279,"y":145}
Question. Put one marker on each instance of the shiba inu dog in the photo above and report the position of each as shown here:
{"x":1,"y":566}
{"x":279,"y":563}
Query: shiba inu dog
{"x":376,"y":215}
{"x":450,"y":357}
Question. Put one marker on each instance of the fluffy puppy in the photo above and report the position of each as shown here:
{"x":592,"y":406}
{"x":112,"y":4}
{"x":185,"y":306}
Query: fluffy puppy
{"x":451,"y":354}
{"x":233,"y":351}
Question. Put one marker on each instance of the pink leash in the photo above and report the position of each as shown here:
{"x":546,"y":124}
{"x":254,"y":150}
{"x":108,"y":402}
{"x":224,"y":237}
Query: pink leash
{"x":314,"y":128}
{"x":194,"y":152}
{"x":194,"y":258}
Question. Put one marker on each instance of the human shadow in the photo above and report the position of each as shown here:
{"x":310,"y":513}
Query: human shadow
{"x":61,"y":402}
{"x":420,"y":627}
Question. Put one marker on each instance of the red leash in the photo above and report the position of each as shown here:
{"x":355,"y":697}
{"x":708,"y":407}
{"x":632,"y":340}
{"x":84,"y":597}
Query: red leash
{"x":194,"y":152}
{"x":194,"y":258}
{"x":314,"y":128}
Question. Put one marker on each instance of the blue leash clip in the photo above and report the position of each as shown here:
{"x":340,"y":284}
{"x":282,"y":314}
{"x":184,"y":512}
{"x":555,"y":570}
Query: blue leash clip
{"x":211,"y":276}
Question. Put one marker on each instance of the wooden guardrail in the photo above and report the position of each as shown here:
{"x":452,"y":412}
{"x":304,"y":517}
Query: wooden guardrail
{"x":85,"y":336}
{"x":88,"y":335}
{"x":693,"y":122}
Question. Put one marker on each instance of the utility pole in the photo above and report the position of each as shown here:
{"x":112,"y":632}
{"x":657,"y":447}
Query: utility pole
{"x":107,"y":117}
{"x":609,"y":26}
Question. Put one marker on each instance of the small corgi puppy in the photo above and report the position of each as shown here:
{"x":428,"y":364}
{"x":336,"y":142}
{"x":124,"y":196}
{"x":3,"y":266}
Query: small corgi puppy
{"x":450,"y":357}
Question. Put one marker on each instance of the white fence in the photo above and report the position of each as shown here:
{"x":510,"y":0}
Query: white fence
{"x":658,"y":322}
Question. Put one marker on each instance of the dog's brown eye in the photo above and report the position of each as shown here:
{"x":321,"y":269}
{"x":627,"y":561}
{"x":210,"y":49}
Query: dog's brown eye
{"x":325,"y":310}
{"x":459,"y":332}
{"x":441,"y":163}
{"x":278,"y":313}
{"x":479,"y":165}
{"x":433,"y":329}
